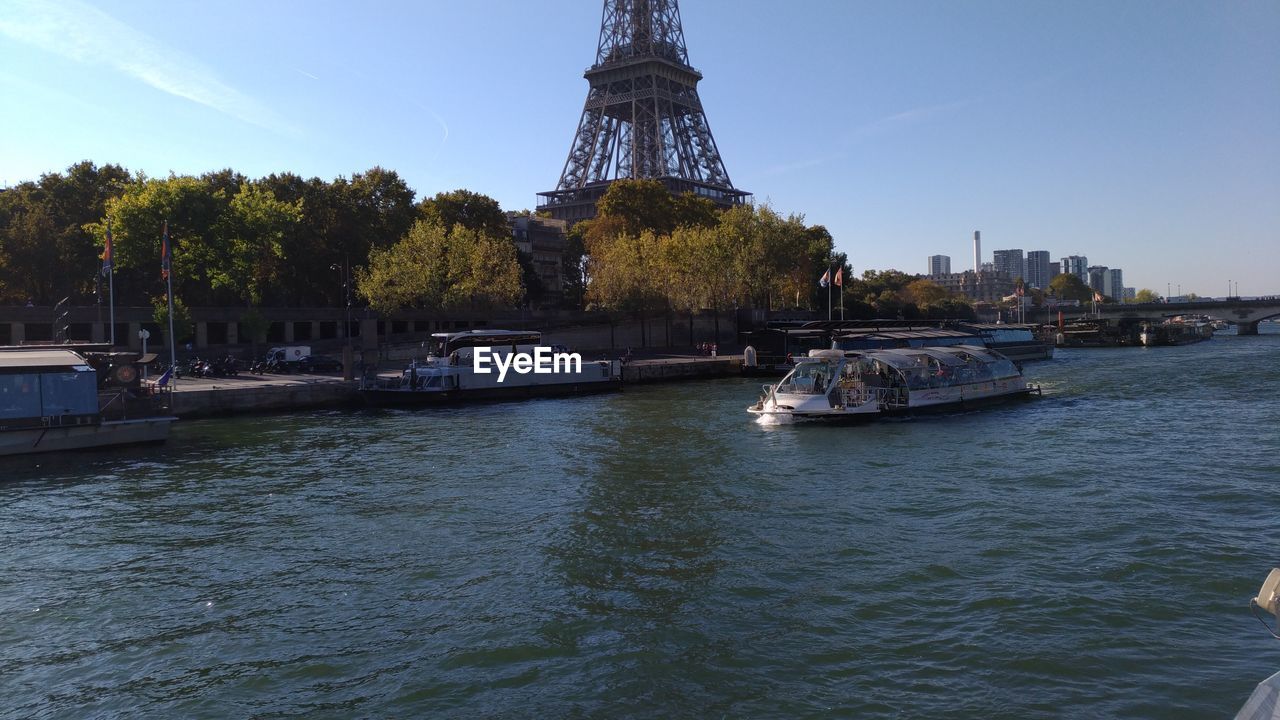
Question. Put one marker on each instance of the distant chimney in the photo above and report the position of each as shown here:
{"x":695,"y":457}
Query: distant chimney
{"x":977,"y":251}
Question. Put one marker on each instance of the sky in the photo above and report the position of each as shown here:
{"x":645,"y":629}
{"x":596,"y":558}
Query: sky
{"x":1144,"y":135}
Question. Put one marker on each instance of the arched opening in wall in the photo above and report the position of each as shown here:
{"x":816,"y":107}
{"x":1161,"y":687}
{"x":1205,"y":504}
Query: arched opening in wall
{"x":302,"y":331}
{"x":275,"y":333}
{"x":329,"y":330}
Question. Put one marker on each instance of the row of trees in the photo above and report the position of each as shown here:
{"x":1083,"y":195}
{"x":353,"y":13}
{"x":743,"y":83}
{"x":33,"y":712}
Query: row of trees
{"x":280,"y":240}
{"x":283,"y":240}
{"x":235,"y":241}
{"x":649,"y":251}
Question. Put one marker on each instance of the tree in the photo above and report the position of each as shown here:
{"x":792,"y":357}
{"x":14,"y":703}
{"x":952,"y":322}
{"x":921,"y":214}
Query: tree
{"x":640,"y":205}
{"x":183,"y":325}
{"x":1146,"y":295}
{"x":926,"y":292}
{"x":249,"y":251}
{"x":434,"y":269}
{"x":467,"y":209}
{"x":1067,"y":286}
{"x":192,"y":211}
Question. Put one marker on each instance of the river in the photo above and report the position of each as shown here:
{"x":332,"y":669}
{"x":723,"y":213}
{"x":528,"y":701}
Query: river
{"x":657,"y":553}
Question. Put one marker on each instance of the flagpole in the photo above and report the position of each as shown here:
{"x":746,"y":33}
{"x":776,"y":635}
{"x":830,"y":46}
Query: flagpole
{"x":829,"y":281}
{"x":841,"y":274}
{"x":110,"y":306}
{"x":168,"y":277}
{"x":111,"y":285}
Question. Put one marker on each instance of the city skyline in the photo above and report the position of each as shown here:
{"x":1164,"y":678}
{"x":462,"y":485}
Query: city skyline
{"x":1143,"y":132}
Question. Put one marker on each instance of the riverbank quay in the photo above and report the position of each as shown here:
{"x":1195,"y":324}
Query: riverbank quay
{"x":215,"y":397}
{"x":680,"y":367}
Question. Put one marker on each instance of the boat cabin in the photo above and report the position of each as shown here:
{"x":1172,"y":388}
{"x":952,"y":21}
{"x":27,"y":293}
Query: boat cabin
{"x":903,"y":338}
{"x":46,"y":388}
{"x":443,"y":345}
{"x":886,"y":373}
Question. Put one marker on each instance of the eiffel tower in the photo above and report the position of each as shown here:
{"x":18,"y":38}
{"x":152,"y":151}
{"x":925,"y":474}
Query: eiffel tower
{"x":642,"y":118}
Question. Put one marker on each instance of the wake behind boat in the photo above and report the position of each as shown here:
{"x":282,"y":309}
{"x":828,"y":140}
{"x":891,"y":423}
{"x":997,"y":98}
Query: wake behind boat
{"x":837,"y":384}
{"x":490,"y":365}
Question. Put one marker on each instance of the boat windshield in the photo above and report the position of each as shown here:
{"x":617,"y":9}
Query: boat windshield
{"x":809,"y":378}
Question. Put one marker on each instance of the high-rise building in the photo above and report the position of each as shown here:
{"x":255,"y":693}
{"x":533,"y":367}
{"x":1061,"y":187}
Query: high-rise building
{"x":1077,"y":265}
{"x":1097,"y":279}
{"x":977,"y":251}
{"x":985,"y":287}
{"x":1038,"y":268}
{"x":1010,"y":262}
{"x":1114,"y":285}
{"x":1055,"y":269}
{"x":939,"y":264}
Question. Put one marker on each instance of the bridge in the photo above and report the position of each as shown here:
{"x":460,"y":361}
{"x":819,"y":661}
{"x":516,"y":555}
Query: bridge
{"x":1245,"y":314}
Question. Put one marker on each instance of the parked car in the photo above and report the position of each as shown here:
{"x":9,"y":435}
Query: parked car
{"x":319,"y":364}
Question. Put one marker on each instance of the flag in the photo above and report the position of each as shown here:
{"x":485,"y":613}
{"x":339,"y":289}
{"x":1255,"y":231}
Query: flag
{"x":1097,"y":297}
{"x":164,"y":378}
{"x":165,"y":260}
{"x":106,"y":252}
{"x":1019,"y":291}
{"x":825,"y":280}
{"x":840,"y":277}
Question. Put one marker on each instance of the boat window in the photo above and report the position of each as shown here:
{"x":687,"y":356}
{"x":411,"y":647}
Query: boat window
{"x":69,"y":393}
{"x":809,"y":378}
{"x":19,"y":396}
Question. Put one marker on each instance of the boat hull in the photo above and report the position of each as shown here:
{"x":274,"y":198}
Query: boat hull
{"x":399,"y":397}
{"x":110,"y":433}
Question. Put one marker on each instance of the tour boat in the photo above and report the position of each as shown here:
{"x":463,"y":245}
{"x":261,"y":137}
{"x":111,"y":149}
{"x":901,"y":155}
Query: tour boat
{"x":52,"y":399}
{"x":838,"y":384}
{"x":490,"y":365}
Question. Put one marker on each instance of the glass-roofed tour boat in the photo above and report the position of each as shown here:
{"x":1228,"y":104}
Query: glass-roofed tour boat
{"x":839,"y":384}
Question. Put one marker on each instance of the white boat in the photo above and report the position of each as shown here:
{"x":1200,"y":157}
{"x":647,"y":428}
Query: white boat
{"x":465,"y":366}
{"x":837,"y":384}
{"x":50,"y":401}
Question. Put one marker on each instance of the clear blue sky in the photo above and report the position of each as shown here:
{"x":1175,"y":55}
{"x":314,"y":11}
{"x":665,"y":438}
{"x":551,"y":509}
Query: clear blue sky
{"x":1145,"y":135}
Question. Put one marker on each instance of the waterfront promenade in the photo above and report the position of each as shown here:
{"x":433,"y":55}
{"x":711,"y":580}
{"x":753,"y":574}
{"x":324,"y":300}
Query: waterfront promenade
{"x":246,"y":393}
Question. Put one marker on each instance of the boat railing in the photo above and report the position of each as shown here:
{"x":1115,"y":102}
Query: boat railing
{"x":124,"y":404}
{"x":859,"y":395}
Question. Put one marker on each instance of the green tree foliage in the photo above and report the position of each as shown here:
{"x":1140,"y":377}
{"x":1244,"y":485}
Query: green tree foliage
{"x":626,"y":273}
{"x":46,"y":251}
{"x":183,"y":326}
{"x":1146,"y":295}
{"x":926,"y":292}
{"x":466,"y":209}
{"x":639,"y":205}
{"x":1069,"y":287}
{"x":438,"y":269}
{"x":247,"y":253}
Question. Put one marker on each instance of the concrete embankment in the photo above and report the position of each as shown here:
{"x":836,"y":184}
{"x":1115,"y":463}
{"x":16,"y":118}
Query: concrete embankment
{"x":681,"y":368}
{"x":195,"y":398}
{"x":211,"y":397}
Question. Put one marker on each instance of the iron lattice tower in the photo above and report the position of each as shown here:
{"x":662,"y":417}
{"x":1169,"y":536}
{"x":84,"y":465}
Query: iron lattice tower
{"x":642,"y":118}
